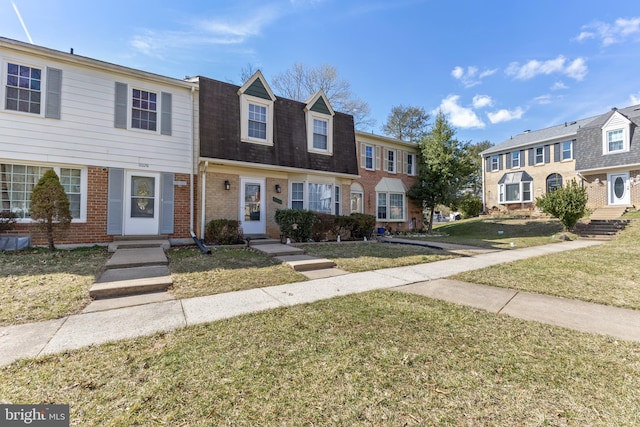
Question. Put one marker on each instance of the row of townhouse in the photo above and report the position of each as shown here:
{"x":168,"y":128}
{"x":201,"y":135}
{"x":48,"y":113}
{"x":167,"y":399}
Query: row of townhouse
{"x":602,"y":153}
{"x":143,"y":154}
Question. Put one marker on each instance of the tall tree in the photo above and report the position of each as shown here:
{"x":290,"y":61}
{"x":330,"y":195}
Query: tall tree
{"x":407,"y":123}
{"x":473,"y":154}
{"x":443,"y":168}
{"x":50,"y":206}
{"x":300,"y":82}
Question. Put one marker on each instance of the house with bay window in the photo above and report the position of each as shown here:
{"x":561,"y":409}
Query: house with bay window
{"x":387,"y":169}
{"x":120,"y":140}
{"x":528,"y":165}
{"x":260,"y":153}
{"x":601,"y":152}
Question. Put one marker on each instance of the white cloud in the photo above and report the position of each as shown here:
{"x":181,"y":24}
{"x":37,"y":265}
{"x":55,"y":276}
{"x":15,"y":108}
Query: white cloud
{"x":635,"y":98}
{"x":470,"y":77}
{"x":575,"y":69}
{"x":481,"y":101}
{"x":543,"y":100}
{"x":460,"y":116}
{"x":559,"y":86}
{"x":505,"y":115}
{"x":228,"y":30}
{"x":610,"y":33}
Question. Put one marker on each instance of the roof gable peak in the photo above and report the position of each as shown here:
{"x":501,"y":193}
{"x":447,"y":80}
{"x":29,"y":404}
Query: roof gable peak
{"x":257,"y":86}
{"x":319,"y":103}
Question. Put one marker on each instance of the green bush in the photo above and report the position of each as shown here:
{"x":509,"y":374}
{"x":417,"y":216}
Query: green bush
{"x":470,"y":206}
{"x":323,"y":226}
{"x":295,"y":224}
{"x":7,"y":221}
{"x":223,"y":232}
{"x":362,"y":225}
{"x":568,"y":204}
{"x":50,"y":207}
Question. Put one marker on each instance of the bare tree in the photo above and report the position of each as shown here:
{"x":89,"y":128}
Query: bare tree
{"x":300,"y":82}
{"x":407,"y":123}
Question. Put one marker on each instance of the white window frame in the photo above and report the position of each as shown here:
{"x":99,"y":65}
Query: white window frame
{"x":356,"y":199}
{"x":292,"y":193}
{"x":337,"y":200}
{"x":523,"y":187}
{"x":43,"y":90}
{"x":515,"y":160}
{"x":82,"y":188}
{"x":541,"y":155}
{"x":411,"y":164}
{"x":388,"y":208}
{"x":564,"y":151}
{"x":311,"y":116}
{"x":390,"y":161}
{"x":131,"y":108}
{"x":495,"y":162}
{"x":245,"y":100}
{"x":624,"y":139}
{"x":366,"y":157}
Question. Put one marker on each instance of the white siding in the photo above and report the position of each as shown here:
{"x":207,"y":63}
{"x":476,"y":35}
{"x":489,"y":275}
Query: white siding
{"x":85,"y":133}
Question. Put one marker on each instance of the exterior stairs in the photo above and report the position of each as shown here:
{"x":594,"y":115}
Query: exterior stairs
{"x":310,"y":266}
{"x":604,"y":224}
{"x":136,"y":267}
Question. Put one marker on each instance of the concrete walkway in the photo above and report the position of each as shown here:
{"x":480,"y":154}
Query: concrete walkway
{"x":34,"y":339}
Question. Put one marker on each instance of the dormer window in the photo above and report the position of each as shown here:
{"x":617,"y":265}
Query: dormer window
{"x":319,"y":124}
{"x":256,"y":111}
{"x":615,"y":134}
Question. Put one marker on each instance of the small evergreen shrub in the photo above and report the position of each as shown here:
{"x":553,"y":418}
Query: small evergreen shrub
{"x":568,"y":204}
{"x":50,"y":207}
{"x":223,"y":232}
{"x":295,"y":224}
{"x":323,"y":226}
{"x":361,"y":225}
{"x":470,"y":206}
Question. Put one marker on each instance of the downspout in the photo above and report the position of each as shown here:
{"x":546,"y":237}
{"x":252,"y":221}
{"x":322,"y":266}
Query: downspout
{"x":482,"y":167}
{"x":202,"y":208}
{"x":193,"y":167}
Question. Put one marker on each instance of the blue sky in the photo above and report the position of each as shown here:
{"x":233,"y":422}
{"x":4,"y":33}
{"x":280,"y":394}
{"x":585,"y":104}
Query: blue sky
{"x":496,"y":68}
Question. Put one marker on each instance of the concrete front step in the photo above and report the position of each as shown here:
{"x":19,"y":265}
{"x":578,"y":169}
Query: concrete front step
{"x":306,"y":262}
{"x":609,"y":212}
{"x":137,"y":244}
{"x":130,"y":287}
{"x":277,"y":249}
{"x":138,"y":257}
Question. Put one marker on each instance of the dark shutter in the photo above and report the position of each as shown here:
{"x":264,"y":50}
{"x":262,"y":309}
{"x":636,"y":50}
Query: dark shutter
{"x":531,"y":157}
{"x":54,"y":94}
{"x":487,"y":164}
{"x":522,"y":158}
{"x":120,"y":116}
{"x":115,"y":197}
{"x":500,"y":165}
{"x":508,"y":160}
{"x":165,"y":118}
{"x":547,"y":154}
{"x":166,"y":203}
{"x":556,"y":152}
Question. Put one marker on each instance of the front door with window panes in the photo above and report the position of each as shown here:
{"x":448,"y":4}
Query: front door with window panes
{"x":142,"y":216}
{"x":252,"y":207}
{"x":619,"y":191}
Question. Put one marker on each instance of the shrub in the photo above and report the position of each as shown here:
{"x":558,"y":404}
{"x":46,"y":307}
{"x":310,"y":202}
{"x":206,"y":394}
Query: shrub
{"x":50,"y":206}
{"x":568,"y":204}
{"x":223,"y":232}
{"x":295,"y":223}
{"x":7,"y":221}
{"x":470,"y":206}
{"x":323,"y":225}
{"x":362,"y":225}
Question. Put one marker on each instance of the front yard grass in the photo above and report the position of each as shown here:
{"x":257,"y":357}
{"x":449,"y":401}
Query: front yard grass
{"x":379,"y":358}
{"x":605,"y":274}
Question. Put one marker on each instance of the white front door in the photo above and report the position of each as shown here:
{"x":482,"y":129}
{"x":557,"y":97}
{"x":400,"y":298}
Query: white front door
{"x":619,"y":191}
{"x":252,"y":206}
{"x":142,"y":199}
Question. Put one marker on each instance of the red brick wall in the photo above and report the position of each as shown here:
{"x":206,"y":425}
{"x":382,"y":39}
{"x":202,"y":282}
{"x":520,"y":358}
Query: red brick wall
{"x":95,"y":228}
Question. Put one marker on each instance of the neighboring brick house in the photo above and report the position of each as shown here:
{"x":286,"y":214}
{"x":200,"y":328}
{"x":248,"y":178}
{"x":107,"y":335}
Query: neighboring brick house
{"x":260,"y":153}
{"x":528,"y":165}
{"x":608,"y":158}
{"x":120,"y":140}
{"x":387,"y":169}
{"x":601,"y":152}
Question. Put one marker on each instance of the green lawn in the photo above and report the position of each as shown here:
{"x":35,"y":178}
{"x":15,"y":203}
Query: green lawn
{"x":379,"y":358}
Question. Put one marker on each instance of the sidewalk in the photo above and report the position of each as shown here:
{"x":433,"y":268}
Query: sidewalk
{"x":76,"y":331}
